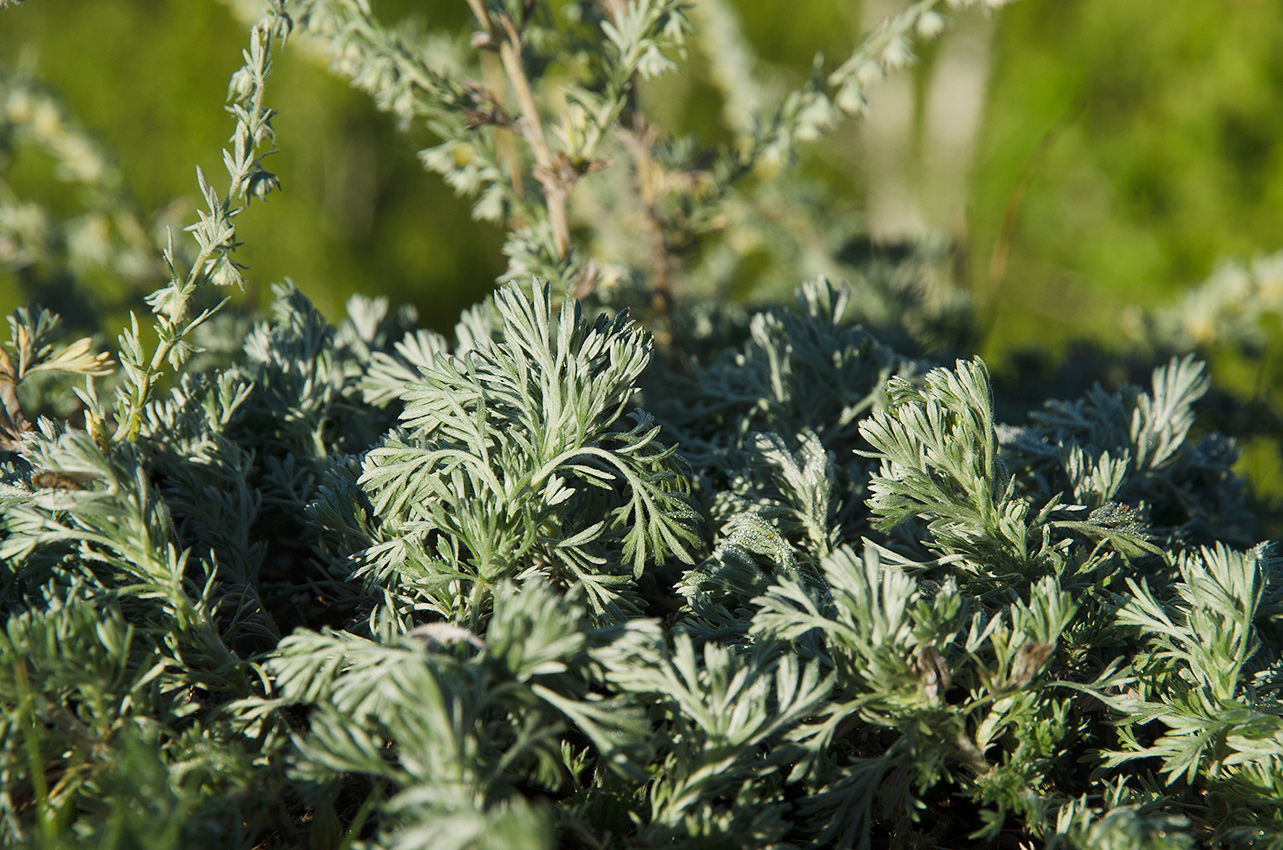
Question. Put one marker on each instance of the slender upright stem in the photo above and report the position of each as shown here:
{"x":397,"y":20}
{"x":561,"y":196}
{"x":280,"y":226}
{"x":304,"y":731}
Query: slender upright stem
{"x":640,"y":144}
{"x":547,"y":172}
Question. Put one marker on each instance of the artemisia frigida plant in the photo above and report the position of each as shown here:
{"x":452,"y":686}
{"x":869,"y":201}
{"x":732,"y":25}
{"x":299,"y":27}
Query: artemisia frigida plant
{"x":731,"y":577}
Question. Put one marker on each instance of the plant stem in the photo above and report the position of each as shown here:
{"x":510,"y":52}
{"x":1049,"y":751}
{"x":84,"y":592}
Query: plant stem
{"x":12,"y":421}
{"x":547,"y":173}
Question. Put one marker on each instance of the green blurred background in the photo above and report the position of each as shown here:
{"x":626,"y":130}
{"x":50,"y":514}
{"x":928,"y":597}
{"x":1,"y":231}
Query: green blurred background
{"x":1129,"y":145}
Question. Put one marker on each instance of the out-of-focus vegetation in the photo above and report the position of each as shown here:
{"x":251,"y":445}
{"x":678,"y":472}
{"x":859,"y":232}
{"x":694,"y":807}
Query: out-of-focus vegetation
{"x":358,"y":213}
{"x":1150,"y":131}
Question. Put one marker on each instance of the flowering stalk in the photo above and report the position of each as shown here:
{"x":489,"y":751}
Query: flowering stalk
{"x":215,"y":236}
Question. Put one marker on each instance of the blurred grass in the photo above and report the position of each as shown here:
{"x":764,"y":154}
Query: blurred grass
{"x":1166,"y":118}
{"x":356,"y":214}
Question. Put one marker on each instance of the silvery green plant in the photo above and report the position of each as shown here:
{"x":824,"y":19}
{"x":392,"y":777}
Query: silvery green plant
{"x":752,"y":577}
